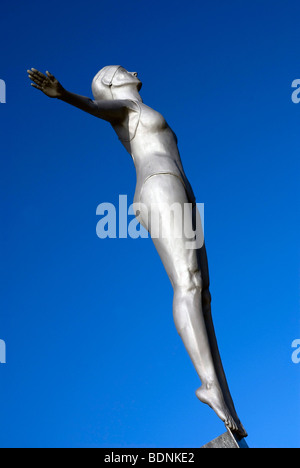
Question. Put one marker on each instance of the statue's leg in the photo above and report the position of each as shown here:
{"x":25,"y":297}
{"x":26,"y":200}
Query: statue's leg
{"x":159,"y":193}
{"x":206,"y":307}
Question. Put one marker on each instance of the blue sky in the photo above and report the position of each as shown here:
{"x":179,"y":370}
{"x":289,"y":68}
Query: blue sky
{"x":93,"y":357}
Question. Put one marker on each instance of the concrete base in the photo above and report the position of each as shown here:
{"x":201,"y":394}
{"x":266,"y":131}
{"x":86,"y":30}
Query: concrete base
{"x":227,"y":440}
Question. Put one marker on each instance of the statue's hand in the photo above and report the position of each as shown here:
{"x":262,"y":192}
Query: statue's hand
{"x":48,"y":84}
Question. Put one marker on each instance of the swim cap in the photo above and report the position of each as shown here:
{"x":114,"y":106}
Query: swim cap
{"x":102,"y":82}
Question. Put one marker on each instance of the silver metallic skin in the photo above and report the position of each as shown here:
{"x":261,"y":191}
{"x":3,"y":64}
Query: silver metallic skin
{"x":161,"y":181}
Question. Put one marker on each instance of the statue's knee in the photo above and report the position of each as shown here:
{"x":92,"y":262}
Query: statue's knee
{"x":190,"y":281}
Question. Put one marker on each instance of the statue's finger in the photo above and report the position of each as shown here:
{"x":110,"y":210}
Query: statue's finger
{"x":52,"y":77}
{"x":38,"y":73}
{"x":36,"y":80}
{"x":35,"y":76}
{"x":36,"y":86}
{"x":34,"y":71}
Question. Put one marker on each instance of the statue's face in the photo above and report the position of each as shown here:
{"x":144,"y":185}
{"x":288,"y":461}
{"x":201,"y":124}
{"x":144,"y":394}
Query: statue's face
{"x":124,"y":77}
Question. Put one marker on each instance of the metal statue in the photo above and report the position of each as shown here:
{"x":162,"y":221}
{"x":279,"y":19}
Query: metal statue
{"x":161,"y":182}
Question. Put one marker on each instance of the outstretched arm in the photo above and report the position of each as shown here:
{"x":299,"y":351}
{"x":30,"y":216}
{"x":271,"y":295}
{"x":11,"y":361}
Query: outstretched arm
{"x":111,"y":111}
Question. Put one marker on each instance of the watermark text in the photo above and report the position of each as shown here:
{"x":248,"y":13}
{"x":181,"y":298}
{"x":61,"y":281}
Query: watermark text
{"x":296,"y":93}
{"x":163,"y":221}
{"x":2,"y":92}
{"x":2,"y":352}
{"x":296,"y":353}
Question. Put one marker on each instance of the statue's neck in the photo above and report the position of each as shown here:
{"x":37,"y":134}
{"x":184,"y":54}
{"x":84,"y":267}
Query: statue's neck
{"x":124,"y":92}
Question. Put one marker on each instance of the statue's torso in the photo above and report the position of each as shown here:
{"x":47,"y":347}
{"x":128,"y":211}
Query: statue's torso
{"x":152,"y":145}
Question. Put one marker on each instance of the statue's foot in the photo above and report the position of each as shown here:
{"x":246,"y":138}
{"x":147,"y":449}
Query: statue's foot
{"x":241,"y":431}
{"x":212,"y":396}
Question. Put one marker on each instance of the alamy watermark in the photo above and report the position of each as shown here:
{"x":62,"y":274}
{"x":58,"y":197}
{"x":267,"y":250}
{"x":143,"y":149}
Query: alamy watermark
{"x":2,"y":352}
{"x":181,"y":221}
{"x":296,"y":353}
{"x":296,"y":93}
{"x":2,"y":92}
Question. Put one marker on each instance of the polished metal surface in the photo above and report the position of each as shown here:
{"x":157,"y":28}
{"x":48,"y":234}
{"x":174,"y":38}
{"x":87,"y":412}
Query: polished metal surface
{"x":161,"y":183}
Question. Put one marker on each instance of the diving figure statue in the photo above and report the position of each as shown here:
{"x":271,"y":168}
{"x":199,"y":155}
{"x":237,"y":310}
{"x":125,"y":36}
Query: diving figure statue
{"x":161,"y":182}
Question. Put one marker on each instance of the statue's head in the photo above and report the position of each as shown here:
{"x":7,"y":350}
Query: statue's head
{"x":112,"y":77}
